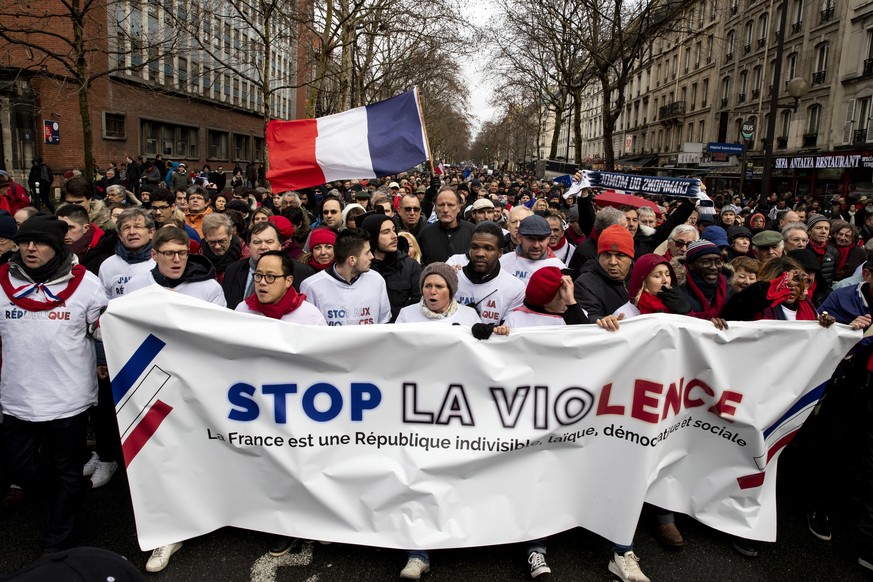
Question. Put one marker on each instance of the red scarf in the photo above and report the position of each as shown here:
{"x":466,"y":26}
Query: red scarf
{"x":288,"y":303}
{"x":651,"y":304}
{"x":709,"y":310}
{"x":779,"y":293}
{"x":844,"y":256}
{"x":33,"y":305}
{"x":818,"y":248}
{"x":317,"y":266}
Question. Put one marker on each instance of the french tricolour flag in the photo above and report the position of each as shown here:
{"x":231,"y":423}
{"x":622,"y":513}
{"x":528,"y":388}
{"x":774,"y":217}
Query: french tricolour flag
{"x":366,"y":142}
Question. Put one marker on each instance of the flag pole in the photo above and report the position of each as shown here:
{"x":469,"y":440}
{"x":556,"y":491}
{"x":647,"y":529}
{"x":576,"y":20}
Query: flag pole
{"x":423,"y":127}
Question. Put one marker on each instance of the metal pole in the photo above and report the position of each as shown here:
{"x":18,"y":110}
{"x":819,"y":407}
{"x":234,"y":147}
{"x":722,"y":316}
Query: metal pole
{"x":774,"y":106}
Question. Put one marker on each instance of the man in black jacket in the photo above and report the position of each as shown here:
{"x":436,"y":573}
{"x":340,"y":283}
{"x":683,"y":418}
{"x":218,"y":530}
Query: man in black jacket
{"x":449,"y":235}
{"x":401,"y":273}
{"x":601,"y":288}
{"x":238,"y":282}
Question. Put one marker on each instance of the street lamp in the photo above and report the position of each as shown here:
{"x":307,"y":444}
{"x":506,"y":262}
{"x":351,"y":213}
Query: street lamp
{"x":797,"y":88}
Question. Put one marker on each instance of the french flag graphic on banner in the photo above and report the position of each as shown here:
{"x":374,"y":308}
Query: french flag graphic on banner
{"x":366,"y":142}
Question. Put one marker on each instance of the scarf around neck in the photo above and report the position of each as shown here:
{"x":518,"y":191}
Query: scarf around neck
{"x":133,"y":257}
{"x":450,"y":310}
{"x":718,"y":292}
{"x":288,"y":303}
{"x":19,"y":295}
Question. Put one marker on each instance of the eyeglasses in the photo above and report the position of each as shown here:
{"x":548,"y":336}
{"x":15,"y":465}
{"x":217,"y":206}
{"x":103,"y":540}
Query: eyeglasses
{"x":268,"y":277}
{"x":410,"y":208}
{"x":709,"y":263}
{"x":679,"y":243}
{"x":218,"y":243}
{"x":190,"y":198}
{"x":159,"y":208}
{"x":330,"y":211}
{"x":172,"y":254}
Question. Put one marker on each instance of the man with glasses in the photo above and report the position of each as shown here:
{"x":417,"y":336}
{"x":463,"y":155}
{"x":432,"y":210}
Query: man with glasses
{"x":221,"y":247}
{"x":409,"y":217}
{"x":331,"y":212}
{"x":274,"y":295}
{"x":179,"y":271}
{"x":679,"y":239}
{"x":705,"y":288}
{"x":163,"y":208}
{"x":239,"y":282}
{"x":198,"y":208}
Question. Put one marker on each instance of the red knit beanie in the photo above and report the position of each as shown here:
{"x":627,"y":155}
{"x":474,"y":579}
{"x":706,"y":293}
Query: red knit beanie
{"x":283,"y":225}
{"x":543,"y":285}
{"x":617,"y":239}
{"x":322,"y":236}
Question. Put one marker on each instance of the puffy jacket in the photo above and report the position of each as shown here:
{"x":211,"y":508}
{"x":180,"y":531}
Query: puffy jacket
{"x":402,"y":279}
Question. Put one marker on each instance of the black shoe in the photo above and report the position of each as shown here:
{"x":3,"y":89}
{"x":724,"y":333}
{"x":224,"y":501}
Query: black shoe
{"x":283,"y":545}
{"x":746,"y":547}
{"x":819,"y":525}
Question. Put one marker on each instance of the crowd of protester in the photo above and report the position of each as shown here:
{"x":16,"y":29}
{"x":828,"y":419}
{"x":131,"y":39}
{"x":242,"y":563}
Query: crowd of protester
{"x":490,"y":252}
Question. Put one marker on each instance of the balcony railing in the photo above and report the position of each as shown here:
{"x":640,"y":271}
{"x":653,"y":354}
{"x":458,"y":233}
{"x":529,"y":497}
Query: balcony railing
{"x":810,"y":139}
{"x":724,"y":101}
{"x":827,"y":15}
{"x":868,"y":66}
{"x":729,"y":57}
{"x":734,"y":9}
{"x":818,"y":78}
{"x":741,"y":98}
{"x":781,"y":143}
{"x":762,"y":42}
{"x":796,"y":27}
{"x":747,"y":49}
{"x":859,"y":136}
{"x":756,"y":93}
{"x":671,"y":110}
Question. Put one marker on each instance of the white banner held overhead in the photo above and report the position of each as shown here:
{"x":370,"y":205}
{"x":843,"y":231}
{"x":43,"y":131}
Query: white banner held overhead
{"x":420,"y":436}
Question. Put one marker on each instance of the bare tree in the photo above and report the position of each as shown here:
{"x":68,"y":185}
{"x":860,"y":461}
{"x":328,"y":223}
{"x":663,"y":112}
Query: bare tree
{"x":77,"y":41}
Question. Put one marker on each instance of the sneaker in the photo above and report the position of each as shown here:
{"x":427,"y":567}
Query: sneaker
{"x":819,"y":525}
{"x":538,"y":566}
{"x":91,"y":465}
{"x":103,"y":474}
{"x":161,"y":557}
{"x":414,"y":568}
{"x":668,"y":534}
{"x":282,"y":546}
{"x":627,"y":567}
{"x":746,"y":547}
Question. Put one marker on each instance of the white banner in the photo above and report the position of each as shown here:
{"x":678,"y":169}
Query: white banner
{"x":420,"y":436}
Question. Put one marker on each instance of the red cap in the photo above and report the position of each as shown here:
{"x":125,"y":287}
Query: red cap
{"x":616,"y":239}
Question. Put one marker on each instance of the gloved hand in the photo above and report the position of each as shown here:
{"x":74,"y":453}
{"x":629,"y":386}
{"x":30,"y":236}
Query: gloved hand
{"x":482,"y":331}
{"x":435,"y":182}
{"x":673,"y":300}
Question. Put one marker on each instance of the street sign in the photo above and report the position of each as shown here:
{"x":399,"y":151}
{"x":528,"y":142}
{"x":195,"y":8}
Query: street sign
{"x":748,"y":129}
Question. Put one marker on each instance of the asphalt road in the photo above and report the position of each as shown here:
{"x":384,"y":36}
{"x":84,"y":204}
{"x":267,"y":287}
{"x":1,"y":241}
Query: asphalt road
{"x":106,"y":520}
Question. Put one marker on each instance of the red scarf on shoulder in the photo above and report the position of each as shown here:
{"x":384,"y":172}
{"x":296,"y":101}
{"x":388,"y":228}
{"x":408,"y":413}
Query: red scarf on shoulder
{"x":18,"y":295}
{"x":288,"y":303}
{"x":779,"y":293}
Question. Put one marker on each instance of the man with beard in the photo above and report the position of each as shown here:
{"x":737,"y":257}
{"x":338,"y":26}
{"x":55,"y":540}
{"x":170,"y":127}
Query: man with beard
{"x":705,"y":287}
{"x":177,"y":270}
{"x":482,"y":283}
{"x":533,"y":251}
{"x":46,"y":392}
{"x":222,"y":247}
{"x":401,"y":273}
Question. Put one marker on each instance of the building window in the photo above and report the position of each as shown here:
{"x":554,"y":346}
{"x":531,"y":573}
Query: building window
{"x":113,"y":126}
{"x":790,"y":67}
{"x":240,"y":147}
{"x":216,"y":142}
{"x":763,"y":23}
{"x":821,"y":64}
{"x":178,"y":141}
{"x":813,"y":116}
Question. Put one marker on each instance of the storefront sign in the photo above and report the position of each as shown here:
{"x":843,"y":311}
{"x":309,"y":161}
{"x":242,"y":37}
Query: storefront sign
{"x":810,"y":162}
